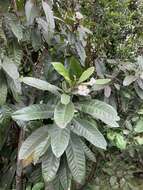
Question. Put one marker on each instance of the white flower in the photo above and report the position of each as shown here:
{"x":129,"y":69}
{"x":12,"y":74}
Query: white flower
{"x":78,"y":16}
{"x":92,"y":82}
{"x":83,"y":90}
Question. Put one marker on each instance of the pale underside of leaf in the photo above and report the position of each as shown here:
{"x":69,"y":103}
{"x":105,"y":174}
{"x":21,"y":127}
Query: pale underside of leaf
{"x":40,"y":84}
{"x":50,"y":166}
{"x":90,"y":132}
{"x":100,"y":110}
{"x":37,"y":111}
{"x":63,"y":114}
{"x":31,"y":143}
{"x":76,"y":158}
{"x":59,"y":139}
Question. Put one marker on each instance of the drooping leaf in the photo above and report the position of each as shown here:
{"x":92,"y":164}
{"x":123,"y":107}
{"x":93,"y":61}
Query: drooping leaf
{"x":89,"y":131}
{"x":3,"y":89}
{"x":99,"y":110}
{"x":61,"y":70}
{"x":88,"y":152}
{"x":50,"y":166}
{"x":49,"y":17}
{"x":37,"y":111}
{"x":86,"y":74}
{"x":41,"y":149}
{"x":63,"y":114}
{"x":40,"y":84}
{"x":76,"y":158}
{"x":65,"y":99}
{"x":59,"y":140}
{"x":30,"y":144}
{"x":31,"y":11}
{"x":64,"y":175}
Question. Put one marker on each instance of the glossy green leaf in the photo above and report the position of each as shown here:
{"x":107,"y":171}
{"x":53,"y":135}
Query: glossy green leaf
{"x":37,"y":111}
{"x":102,"y":81}
{"x":86,"y":74}
{"x":63,"y":114}
{"x":139,"y":126}
{"x":59,"y":67}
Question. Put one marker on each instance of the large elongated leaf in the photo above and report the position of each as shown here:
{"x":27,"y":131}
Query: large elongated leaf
{"x":32,"y":142}
{"x":41,"y":149}
{"x":63,"y":114}
{"x":50,"y":166}
{"x":37,"y":111}
{"x":100,"y":110}
{"x":31,"y":11}
{"x":59,"y":140}
{"x":90,"y":132}
{"x":76,"y":158}
{"x":86,"y":74}
{"x":49,"y":17}
{"x":40,"y":84}
{"x":3,"y":89}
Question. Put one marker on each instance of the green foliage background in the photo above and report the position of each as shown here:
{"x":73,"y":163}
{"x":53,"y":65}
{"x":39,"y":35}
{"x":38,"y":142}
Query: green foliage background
{"x":113,"y":45}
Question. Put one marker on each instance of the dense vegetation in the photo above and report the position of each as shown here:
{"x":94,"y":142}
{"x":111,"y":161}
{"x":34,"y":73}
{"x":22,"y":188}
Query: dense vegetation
{"x":71,"y":91}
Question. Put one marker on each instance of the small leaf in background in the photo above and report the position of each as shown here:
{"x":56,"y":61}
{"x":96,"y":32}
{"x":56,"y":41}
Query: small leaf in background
{"x":49,"y":17}
{"x":31,"y":11}
{"x":139,"y":126}
{"x":139,"y":140}
{"x":63,"y":114}
{"x":59,"y":67}
{"x":138,"y":90}
{"x":86,"y":74}
{"x":107,"y":91}
{"x":65,"y":99}
{"x":120,"y":141}
{"x":38,"y":186}
{"x":129,"y":80}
